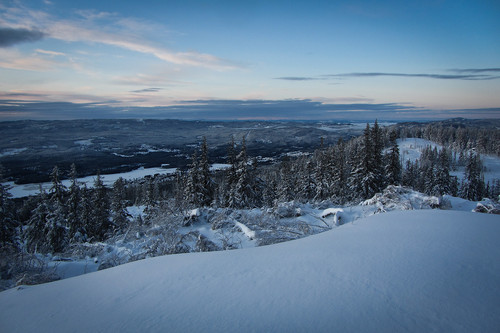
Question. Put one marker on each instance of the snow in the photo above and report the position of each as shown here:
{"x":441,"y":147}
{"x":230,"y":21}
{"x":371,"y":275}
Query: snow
{"x":415,"y":271}
{"x":12,"y":151}
{"x":411,"y":149}
{"x":219,"y":166}
{"x":246,"y":230}
{"x":84,"y":143}
{"x":24,"y":190}
{"x":194,"y":213}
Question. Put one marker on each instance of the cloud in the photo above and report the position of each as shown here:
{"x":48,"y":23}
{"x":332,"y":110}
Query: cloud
{"x":475,"y":70}
{"x":109,"y":29}
{"x":298,"y":78}
{"x":462,"y":74}
{"x":12,"y":59}
{"x":429,"y":76}
{"x":146,"y":90}
{"x":145,"y":80}
{"x":50,"y":53}
{"x":12,"y":36}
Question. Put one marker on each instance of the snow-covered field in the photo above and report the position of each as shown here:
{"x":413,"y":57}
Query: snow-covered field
{"x":19,"y":191}
{"x":416,"y":271}
{"x":24,"y":190}
{"x":411,"y":149}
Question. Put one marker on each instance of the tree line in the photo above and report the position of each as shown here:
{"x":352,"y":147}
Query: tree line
{"x":345,"y":173}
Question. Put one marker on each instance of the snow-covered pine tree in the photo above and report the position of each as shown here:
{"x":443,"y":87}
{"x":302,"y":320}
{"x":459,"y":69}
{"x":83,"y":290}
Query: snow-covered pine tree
{"x":8,"y":222}
{"x":241,"y":193}
{"x":364,"y":179}
{"x":57,"y":190}
{"x":192,"y":195}
{"x":376,"y":160}
{"x":393,"y":164}
{"x":34,"y":234}
{"x":338,"y":172}
{"x":231,"y":177}
{"x":410,"y":177}
{"x":100,"y":223}
{"x":56,"y":227}
{"x":321,"y":175}
{"x":473,"y":187}
{"x":119,"y":213}
{"x":206,"y":186}
{"x":73,"y":206}
{"x":283,"y":188}
{"x":84,"y":229}
{"x":357,"y":170}
{"x":443,"y":181}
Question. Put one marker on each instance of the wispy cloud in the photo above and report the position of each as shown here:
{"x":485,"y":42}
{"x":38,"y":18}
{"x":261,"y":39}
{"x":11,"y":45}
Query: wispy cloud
{"x":50,"y":53}
{"x":141,"y":79}
{"x":462,"y":74}
{"x":12,"y":36}
{"x":13,"y":59}
{"x":146,"y":90}
{"x":417,"y":75}
{"x":475,"y":70}
{"x":100,"y":27}
{"x":298,"y":78}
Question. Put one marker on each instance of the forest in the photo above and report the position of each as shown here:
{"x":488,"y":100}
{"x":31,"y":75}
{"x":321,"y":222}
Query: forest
{"x":67,"y":220}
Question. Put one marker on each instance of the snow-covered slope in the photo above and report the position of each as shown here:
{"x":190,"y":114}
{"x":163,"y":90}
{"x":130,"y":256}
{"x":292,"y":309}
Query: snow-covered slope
{"x":417,"y":271}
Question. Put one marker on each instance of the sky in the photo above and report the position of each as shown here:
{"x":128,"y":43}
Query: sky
{"x":307,"y":60}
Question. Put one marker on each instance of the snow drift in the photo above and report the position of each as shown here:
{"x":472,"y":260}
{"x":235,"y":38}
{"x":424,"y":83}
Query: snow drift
{"x":413,"y":271}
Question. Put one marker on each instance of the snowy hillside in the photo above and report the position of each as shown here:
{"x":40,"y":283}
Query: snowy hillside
{"x":417,"y":271}
{"x":411,"y":150}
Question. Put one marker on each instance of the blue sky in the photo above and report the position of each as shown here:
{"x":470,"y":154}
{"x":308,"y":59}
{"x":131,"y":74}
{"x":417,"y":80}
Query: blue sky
{"x":329,"y":59}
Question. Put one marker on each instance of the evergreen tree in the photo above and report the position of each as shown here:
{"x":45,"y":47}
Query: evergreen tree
{"x":357,"y":171}
{"x":85,"y":227}
{"x":393,"y":165}
{"x":100,"y":223}
{"x":231,"y":177}
{"x":35,"y":232}
{"x":119,"y":213}
{"x":443,"y":182}
{"x":365,"y":177}
{"x":376,"y":165}
{"x":241,"y":192}
{"x":192,"y":194}
{"x":76,"y":228}
{"x":339,"y":172}
{"x":473,"y":187}
{"x":8,"y":222}
{"x":205,"y":180}
{"x":57,"y":190}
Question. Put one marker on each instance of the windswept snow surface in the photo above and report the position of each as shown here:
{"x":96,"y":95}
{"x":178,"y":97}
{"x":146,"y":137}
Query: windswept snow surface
{"x":416,"y":271}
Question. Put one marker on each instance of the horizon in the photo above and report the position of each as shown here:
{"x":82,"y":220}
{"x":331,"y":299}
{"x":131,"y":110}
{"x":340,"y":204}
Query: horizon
{"x":226,"y":60}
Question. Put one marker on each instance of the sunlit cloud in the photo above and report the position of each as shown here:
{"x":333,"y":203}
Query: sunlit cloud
{"x":141,"y":79}
{"x":13,"y":59}
{"x":50,"y":53}
{"x":111,"y":30}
